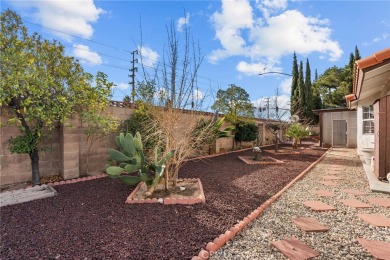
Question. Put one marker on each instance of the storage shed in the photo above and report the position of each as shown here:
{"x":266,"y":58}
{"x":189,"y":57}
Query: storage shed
{"x":337,"y":127}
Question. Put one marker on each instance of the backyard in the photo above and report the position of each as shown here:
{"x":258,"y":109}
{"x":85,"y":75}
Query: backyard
{"x":91,"y":220}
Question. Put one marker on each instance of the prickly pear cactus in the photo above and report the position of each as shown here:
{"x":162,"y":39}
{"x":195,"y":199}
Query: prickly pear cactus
{"x":130,"y":158}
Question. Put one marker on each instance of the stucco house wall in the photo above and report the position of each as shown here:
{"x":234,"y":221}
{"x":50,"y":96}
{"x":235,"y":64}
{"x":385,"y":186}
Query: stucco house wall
{"x":364,"y":140}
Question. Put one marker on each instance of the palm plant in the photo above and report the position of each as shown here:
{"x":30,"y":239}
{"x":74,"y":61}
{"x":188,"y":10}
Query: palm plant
{"x":297,"y":131}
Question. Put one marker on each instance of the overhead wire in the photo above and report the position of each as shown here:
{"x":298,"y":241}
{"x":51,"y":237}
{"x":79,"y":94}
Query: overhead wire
{"x":110,"y":46}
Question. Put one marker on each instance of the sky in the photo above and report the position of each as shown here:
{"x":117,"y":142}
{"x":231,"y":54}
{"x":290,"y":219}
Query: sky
{"x":238,"y":38}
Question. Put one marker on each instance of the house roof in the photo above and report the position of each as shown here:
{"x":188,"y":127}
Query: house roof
{"x":371,"y":78}
{"x":338,"y":109}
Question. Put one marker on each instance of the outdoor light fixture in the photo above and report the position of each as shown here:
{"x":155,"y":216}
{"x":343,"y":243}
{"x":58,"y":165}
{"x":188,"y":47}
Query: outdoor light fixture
{"x":274,"y":72}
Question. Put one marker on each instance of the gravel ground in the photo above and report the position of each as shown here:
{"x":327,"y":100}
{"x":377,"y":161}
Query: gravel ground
{"x":339,"y":242}
{"x":90,"y":220}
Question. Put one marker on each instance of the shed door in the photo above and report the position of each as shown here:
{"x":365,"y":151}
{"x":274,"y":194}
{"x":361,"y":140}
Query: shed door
{"x":339,"y":133}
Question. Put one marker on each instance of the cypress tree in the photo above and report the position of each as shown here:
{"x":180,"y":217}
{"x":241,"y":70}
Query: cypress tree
{"x":357,"y":54}
{"x":294,"y":86}
{"x":315,"y":76}
{"x":309,"y":92}
{"x":301,"y":97}
{"x":349,"y":77}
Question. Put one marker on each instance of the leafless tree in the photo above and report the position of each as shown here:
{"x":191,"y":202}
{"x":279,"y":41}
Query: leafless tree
{"x":275,"y":112}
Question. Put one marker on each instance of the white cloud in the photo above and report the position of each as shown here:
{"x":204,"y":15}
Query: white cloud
{"x":182,"y":21}
{"x":86,"y":55}
{"x":382,"y":37}
{"x":267,"y":38}
{"x":72,"y":16}
{"x":149,"y":56}
{"x":285,"y":86}
{"x":292,"y":31}
{"x":198,"y":95}
{"x":121,"y":85}
{"x":252,"y":69}
{"x":282,"y":102}
{"x":235,"y":16}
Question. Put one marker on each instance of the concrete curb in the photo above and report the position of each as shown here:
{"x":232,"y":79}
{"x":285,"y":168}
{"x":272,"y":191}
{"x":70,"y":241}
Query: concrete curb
{"x":221,"y":240}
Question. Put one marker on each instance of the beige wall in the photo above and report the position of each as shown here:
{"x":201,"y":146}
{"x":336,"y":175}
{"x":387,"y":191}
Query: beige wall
{"x":17,"y":167}
{"x":67,"y":154}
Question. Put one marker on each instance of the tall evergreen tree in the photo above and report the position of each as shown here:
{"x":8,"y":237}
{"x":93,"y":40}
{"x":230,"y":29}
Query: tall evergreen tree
{"x":294,"y":86}
{"x":357,"y":54}
{"x":301,"y":93}
{"x":315,"y":75}
{"x":349,"y":72}
{"x":309,"y":93}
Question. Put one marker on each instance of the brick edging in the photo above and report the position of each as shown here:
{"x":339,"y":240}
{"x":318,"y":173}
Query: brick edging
{"x":219,"y":154}
{"x":188,"y":201}
{"x":221,"y":240}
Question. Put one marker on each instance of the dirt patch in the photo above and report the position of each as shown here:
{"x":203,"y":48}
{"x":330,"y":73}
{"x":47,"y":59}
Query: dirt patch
{"x":89,"y":220}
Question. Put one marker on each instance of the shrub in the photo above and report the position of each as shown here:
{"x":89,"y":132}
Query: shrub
{"x":246,"y":131}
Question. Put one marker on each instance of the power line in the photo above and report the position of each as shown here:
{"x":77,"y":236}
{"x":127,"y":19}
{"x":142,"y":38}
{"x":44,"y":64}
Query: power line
{"x":79,"y":37}
{"x":110,"y":46}
{"x":102,"y":54}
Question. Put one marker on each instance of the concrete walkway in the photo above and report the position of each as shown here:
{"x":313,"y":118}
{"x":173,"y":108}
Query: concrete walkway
{"x":331,"y":213}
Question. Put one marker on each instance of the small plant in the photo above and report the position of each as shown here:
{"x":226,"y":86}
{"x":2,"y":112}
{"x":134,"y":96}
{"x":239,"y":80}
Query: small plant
{"x":297,"y":131}
{"x":133,"y":166}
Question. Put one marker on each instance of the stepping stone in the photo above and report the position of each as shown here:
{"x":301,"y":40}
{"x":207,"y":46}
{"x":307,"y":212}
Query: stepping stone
{"x":318,"y":206}
{"x":379,"y":249}
{"x":332,"y":177}
{"x":384,"y":202}
{"x":329,"y":183}
{"x":354,"y":192}
{"x":375,"y":219}
{"x":355,"y":203}
{"x":323,"y":193}
{"x":294,"y":249}
{"x":310,"y":225}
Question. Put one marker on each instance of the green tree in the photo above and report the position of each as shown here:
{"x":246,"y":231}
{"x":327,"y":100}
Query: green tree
{"x":146,"y":91}
{"x":357,"y":54}
{"x":41,"y":86}
{"x":246,"y":131}
{"x":294,"y":86}
{"x":327,"y":85}
{"x":234,"y":103}
{"x":300,"y":94}
{"x":309,"y":94}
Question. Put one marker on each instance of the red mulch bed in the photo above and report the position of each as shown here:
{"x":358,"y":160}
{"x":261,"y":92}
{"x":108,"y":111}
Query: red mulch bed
{"x":90,"y":220}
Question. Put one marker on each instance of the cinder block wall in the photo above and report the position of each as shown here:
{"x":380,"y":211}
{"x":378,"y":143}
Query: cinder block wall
{"x":68,"y":146}
{"x":17,"y":167}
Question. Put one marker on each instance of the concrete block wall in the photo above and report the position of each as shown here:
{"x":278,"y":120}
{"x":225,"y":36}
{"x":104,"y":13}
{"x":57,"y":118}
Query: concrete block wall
{"x":17,"y":167}
{"x":67,"y":153}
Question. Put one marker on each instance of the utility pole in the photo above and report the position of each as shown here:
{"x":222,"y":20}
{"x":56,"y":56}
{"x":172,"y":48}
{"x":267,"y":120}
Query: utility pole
{"x":132,"y":75}
{"x":267,"y":100}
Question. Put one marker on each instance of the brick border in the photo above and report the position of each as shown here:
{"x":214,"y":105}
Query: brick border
{"x":187,"y":201}
{"x":221,"y":240}
{"x":75,"y":180}
{"x":218,"y":154}
{"x":274,"y":161}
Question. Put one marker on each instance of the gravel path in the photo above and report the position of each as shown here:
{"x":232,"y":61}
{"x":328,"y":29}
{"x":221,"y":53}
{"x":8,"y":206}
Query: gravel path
{"x":345,"y":227}
{"x":90,"y":220}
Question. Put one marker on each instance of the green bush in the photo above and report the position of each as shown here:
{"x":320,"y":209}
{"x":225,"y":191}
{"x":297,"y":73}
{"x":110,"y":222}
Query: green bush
{"x":246,"y":132}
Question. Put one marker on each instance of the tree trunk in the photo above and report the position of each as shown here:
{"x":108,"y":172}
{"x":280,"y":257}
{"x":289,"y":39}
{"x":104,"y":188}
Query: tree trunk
{"x":276,"y":144}
{"x":34,"y":156}
{"x":166,"y":179}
